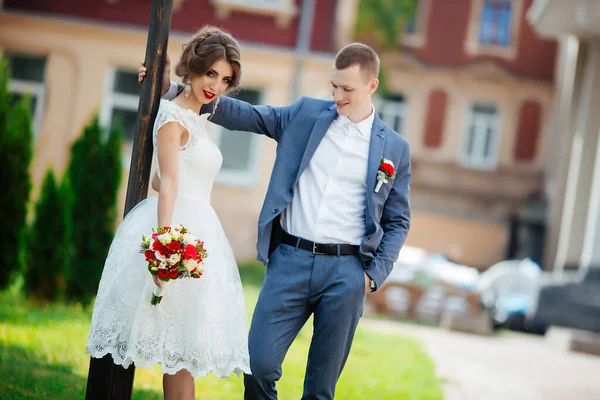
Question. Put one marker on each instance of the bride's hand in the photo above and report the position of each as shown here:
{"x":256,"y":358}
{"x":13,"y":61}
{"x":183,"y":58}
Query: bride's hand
{"x":166,"y":78}
{"x":157,"y":281}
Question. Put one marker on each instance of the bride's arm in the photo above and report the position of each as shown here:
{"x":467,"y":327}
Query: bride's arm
{"x":168,"y":142}
{"x":155,"y":182}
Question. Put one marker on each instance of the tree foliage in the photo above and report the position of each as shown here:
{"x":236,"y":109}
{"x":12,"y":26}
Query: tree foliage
{"x":94,"y":172}
{"x":16,"y":151}
{"x":49,"y":241}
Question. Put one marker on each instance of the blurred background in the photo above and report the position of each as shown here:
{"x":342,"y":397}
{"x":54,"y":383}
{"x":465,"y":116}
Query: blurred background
{"x":496,"y":98}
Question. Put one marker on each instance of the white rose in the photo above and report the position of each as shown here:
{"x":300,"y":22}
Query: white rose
{"x":174,"y":259}
{"x":190,"y":264}
{"x":160,"y":257}
{"x":188,"y":238}
{"x":165,"y":238}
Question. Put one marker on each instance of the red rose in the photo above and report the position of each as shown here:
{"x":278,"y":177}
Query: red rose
{"x":174,"y":246}
{"x":173,"y":274}
{"x":156,"y":245}
{"x":190,"y":252}
{"x":162,"y":274}
{"x":387,"y":168}
{"x":154,"y":235}
{"x":149,"y":254}
{"x":164,"y":251}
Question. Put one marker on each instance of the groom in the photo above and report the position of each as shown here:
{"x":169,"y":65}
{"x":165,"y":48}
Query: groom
{"x":331,"y":225}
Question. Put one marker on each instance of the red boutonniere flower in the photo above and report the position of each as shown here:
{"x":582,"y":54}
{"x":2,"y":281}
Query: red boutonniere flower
{"x":386,"y":171}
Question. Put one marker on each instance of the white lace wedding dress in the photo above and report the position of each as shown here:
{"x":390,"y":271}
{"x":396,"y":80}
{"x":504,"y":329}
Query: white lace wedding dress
{"x":200,"y":324}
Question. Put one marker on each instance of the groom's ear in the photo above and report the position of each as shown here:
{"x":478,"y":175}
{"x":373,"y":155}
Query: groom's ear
{"x":373,"y":85}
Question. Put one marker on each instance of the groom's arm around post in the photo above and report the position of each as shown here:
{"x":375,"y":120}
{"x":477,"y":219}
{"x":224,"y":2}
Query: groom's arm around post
{"x":335,"y":217}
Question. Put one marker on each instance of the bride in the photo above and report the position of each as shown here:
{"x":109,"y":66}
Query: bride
{"x":200,"y":326}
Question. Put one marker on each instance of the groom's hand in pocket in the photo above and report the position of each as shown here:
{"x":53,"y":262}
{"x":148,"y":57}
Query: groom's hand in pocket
{"x":166,"y":78}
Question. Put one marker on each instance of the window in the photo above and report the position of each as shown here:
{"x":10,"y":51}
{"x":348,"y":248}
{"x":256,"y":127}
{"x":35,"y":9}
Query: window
{"x":121,"y":104}
{"x":482,"y":137}
{"x":495,"y":22}
{"x":494,"y":27}
{"x":27,"y":78}
{"x":391,"y":111}
{"x":411,"y":26}
{"x":239,"y":149}
{"x":282,"y":10}
{"x":415,"y":29}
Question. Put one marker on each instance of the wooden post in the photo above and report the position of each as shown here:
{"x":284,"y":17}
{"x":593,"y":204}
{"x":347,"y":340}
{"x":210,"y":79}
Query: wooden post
{"x":107,"y":380}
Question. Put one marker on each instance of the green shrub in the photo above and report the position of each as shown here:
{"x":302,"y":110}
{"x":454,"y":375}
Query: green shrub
{"x":49,"y":248}
{"x":16,"y":137}
{"x":95,"y":174}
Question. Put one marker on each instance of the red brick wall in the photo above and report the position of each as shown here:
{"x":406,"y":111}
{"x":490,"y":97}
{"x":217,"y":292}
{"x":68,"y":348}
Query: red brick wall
{"x":528,"y":132}
{"x":446,"y":34}
{"x":435,"y":118}
{"x":192,"y":16}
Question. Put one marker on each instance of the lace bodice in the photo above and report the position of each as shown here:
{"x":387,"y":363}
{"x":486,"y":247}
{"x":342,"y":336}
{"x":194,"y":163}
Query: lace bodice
{"x":199,"y":158}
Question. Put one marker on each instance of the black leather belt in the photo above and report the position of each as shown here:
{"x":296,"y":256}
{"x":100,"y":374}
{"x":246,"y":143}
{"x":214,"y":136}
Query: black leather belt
{"x":320,"y":248}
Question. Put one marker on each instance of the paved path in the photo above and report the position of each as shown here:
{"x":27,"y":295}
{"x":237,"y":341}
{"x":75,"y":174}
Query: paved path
{"x":507,"y":366}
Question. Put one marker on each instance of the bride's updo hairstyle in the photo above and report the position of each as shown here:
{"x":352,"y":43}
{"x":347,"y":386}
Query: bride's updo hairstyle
{"x":206,"y":47}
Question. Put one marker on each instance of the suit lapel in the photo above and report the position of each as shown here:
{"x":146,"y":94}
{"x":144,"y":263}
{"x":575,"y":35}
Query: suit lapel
{"x":318,"y":131}
{"x":376,"y":146}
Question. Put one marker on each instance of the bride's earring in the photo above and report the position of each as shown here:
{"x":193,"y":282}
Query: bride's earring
{"x":187,"y":88}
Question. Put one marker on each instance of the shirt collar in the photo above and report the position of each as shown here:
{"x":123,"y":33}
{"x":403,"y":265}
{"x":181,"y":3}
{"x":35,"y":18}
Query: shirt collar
{"x":364,"y":126}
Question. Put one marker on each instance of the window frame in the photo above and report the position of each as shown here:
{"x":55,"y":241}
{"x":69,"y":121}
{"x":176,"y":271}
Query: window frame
{"x":474,"y":47}
{"x":418,"y":37}
{"x":32,"y":88}
{"x":480,"y":161}
{"x":123,"y":101}
{"x":283,"y":10}
{"x":400,"y":111}
{"x":238,"y":177}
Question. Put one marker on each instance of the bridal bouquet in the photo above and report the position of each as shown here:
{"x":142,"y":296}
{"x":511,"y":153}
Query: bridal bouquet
{"x":172,"y":253}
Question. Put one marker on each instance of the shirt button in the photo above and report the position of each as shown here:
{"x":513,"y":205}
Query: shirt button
{"x":275,"y":211}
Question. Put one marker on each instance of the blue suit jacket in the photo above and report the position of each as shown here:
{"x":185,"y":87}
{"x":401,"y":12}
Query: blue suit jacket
{"x":298,"y":129}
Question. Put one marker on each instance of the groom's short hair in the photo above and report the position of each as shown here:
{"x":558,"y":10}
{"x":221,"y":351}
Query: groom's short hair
{"x":358,"y":54}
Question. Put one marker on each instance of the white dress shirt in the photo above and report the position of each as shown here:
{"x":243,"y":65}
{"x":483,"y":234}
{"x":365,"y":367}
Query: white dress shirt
{"x":329,"y":199}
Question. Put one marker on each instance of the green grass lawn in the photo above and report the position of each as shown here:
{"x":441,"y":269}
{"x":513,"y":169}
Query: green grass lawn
{"x":42,"y":357}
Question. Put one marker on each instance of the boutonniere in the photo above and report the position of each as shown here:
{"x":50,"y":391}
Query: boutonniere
{"x":385,"y":172}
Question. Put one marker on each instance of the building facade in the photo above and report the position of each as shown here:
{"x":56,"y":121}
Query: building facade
{"x":470,"y":87}
{"x":77,"y":59}
{"x":472,"y":91}
{"x":573,"y":178}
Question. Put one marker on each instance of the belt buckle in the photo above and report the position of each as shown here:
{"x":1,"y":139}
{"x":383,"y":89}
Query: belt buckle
{"x":314,"y":250}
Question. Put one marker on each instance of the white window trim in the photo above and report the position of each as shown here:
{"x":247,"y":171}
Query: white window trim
{"x":397,"y":108}
{"x":34,"y":89}
{"x":468,"y":161}
{"x":239,"y":178}
{"x":419,"y":37}
{"x":110,"y":100}
{"x":283,"y":10}
{"x":472,"y":45}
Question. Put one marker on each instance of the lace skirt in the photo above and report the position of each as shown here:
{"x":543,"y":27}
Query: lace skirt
{"x":200,"y":324}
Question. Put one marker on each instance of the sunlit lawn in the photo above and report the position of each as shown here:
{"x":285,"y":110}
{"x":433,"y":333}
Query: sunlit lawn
{"x":42,"y":357}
